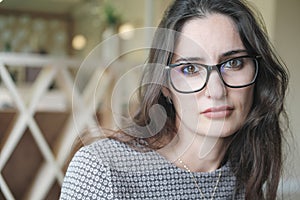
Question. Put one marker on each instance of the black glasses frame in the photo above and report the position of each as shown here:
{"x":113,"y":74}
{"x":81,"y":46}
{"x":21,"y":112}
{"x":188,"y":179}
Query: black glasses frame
{"x":210,"y":68}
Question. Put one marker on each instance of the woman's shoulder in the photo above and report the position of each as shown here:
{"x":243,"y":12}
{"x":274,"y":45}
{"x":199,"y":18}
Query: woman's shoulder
{"x":88,"y":155}
{"x":83,"y":174}
{"x":119,"y":155}
{"x":108,"y":147}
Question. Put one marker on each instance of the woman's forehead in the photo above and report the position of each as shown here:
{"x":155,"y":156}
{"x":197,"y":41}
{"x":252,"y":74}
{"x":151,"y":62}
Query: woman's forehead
{"x":210,"y":37}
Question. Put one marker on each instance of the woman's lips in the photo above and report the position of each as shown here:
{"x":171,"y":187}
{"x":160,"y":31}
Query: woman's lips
{"x":217,"y":112}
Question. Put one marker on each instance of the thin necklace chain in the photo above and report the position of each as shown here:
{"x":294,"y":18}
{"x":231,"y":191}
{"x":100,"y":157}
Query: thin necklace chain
{"x":196,"y":183}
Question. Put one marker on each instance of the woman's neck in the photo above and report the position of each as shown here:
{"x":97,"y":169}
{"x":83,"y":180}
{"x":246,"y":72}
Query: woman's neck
{"x":199,"y":153}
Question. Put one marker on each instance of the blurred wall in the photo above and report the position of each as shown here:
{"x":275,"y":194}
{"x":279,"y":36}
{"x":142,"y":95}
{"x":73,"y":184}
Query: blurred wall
{"x":287,"y":42}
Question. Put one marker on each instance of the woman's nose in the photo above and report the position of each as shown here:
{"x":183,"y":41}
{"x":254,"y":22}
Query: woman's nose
{"x":215,"y":87}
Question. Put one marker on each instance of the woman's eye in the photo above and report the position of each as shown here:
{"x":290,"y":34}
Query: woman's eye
{"x":190,"y":69}
{"x":233,"y":64}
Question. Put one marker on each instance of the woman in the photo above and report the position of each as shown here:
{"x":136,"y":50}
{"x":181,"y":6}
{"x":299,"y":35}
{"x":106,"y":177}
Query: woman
{"x":218,"y":136}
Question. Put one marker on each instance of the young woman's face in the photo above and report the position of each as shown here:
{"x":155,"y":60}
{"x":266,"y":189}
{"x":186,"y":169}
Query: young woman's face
{"x":216,"y":110}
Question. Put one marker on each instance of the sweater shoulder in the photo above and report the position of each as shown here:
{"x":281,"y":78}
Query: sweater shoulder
{"x":120,"y":156}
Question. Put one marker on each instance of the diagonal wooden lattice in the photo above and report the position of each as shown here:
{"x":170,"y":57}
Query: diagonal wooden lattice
{"x":52,"y":69}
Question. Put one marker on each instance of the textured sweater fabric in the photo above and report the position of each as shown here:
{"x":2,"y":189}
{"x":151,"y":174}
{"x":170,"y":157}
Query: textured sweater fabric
{"x":109,"y":169}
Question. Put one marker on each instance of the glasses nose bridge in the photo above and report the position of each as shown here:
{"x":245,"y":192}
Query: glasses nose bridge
{"x":210,"y":68}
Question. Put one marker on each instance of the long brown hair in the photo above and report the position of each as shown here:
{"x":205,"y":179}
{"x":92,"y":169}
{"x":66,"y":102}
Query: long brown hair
{"x":255,"y":153}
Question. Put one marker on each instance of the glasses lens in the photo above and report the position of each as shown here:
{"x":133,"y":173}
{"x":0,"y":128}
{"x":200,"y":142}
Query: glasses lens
{"x":188,"y":77}
{"x":239,"y":71}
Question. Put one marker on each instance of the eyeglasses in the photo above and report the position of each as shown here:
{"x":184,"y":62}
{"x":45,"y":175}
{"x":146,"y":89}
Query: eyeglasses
{"x":237,"y":72}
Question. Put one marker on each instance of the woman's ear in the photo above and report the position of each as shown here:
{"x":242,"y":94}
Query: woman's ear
{"x":166,"y":92}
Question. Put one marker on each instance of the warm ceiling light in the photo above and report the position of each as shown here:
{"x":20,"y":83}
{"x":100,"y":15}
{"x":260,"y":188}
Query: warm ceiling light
{"x":79,"y":42}
{"x":1,"y":1}
{"x":126,"y":31}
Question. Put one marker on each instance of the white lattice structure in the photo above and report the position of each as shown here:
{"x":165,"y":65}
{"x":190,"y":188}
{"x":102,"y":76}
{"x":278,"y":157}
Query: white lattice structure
{"x":82,"y":104}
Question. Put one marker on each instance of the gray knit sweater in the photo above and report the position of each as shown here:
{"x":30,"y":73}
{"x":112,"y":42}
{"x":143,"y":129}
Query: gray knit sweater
{"x":108,"y":169}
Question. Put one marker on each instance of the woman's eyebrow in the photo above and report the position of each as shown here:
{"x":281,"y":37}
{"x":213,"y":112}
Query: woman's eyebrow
{"x":233,"y":52}
{"x":188,"y":59}
{"x":226,"y":54}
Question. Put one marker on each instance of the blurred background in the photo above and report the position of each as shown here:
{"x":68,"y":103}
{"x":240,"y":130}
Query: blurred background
{"x":60,"y":62}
